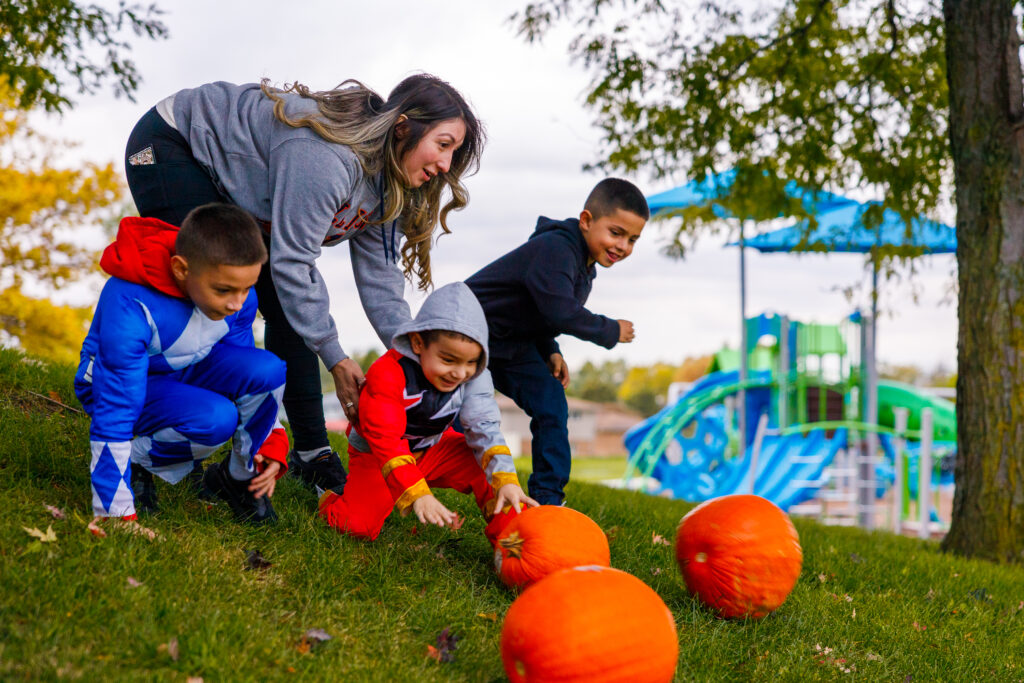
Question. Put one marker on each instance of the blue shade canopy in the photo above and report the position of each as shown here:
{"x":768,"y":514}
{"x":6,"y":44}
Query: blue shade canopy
{"x":842,"y":229}
{"x":718,"y":186}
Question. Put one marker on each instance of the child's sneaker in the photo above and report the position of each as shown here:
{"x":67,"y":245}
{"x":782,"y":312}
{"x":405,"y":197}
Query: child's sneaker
{"x":245,"y":506}
{"x":324,"y":471}
{"x":144,"y":490}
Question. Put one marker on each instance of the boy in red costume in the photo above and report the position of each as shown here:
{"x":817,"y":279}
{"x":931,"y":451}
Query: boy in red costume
{"x":403,"y":443}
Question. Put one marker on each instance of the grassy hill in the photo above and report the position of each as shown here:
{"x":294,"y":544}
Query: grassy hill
{"x":868,"y":605}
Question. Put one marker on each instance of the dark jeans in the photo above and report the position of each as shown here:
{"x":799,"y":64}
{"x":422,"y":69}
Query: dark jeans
{"x":174,"y":185}
{"x":527,"y":380}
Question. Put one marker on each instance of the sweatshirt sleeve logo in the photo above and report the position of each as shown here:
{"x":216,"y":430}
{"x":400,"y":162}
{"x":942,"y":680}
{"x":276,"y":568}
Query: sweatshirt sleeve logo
{"x":345,"y":221}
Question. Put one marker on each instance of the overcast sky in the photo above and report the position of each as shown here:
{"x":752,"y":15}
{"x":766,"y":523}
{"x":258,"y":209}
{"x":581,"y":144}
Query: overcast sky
{"x":530,"y":99}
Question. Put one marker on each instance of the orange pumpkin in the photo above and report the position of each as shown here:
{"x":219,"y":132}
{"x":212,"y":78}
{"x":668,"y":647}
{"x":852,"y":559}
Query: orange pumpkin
{"x":740,"y":555}
{"x":542,"y":539}
{"x":589,"y":624}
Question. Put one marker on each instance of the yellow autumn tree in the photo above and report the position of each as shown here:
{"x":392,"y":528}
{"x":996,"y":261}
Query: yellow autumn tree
{"x":645,"y":388}
{"x":45,"y":210}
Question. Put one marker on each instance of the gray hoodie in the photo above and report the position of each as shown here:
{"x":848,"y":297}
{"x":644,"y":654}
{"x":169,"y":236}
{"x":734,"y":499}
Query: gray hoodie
{"x":452,"y":308}
{"x":312,"y":192}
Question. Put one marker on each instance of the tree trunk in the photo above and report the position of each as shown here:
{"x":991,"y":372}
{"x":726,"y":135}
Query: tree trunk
{"x":984,"y":72}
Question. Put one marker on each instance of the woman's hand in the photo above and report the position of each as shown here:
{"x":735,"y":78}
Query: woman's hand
{"x":348,"y":379}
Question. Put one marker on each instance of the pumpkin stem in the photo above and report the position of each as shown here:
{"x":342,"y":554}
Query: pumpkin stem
{"x":513,"y":543}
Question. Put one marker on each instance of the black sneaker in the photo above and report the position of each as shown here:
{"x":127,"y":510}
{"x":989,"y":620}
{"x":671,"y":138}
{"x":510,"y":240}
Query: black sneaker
{"x":144,"y":489}
{"x":325,"y":471}
{"x":245,"y":506}
{"x":195,"y":482}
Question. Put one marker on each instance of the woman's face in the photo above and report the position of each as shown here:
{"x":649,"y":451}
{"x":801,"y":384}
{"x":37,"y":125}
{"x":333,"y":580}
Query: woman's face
{"x":432,"y":155}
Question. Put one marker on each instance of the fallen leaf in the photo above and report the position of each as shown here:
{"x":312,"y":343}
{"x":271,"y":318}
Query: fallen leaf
{"x":419,"y":546}
{"x":55,"y":511}
{"x":930,"y":595}
{"x":95,"y":530}
{"x":458,"y":522}
{"x":133,"y":582}
{"x":656,"y":571}
{"x":170,"y":647}
{"x":55,"y":396}
{"x":254,"y":560}
{"x":447,"y":642}
{"x":854,"y":615}
{"x":433,"y":653}
{"x":919,"y":627}
{"x":658,"y":539}
{"x":303,"y":646}
{"x":317,"y":635}
{"x":194,"y":679}
{"x":44,"y":537}
{"x":414,"y":530}
{"x":822,"y":578}
{"x":872,"y":657}
{"x":493,"y":616}
{"x":611,"y":533}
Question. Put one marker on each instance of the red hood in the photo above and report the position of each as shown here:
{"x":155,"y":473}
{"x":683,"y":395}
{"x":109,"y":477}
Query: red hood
{"x":142,"y":254}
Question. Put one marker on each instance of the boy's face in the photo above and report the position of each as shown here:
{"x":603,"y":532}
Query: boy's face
{"x":447,"y":361}
{"x":611,"y":238}
{"x":217,"y":290}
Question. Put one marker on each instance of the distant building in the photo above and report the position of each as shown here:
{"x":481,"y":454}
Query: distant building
{"x":595,"y":429}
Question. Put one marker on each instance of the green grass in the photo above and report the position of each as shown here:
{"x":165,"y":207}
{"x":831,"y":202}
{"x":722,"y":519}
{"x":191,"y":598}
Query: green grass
{"x":584,"y":469}
{"x":880,"y":606}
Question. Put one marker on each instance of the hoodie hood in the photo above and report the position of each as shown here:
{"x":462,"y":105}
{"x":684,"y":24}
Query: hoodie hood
{"x":142,"y":254}
{"x":453,"y":308}
{"x":545,"y":224}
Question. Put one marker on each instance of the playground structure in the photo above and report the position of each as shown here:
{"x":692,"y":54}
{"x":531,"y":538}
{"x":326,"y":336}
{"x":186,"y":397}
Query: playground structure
{"x":794,"y":431}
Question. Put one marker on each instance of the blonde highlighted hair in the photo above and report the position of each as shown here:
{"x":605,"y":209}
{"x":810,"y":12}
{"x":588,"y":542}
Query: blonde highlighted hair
{"x":355,"y":116}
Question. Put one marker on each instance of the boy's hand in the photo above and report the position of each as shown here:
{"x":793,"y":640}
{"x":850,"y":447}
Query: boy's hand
{"x":626,"y":333}
{"x":431,"y":511}
{"x":513,"y":494}
{"x":348,"y":378}
{"x":263,"y":483}
{"x":559,"y":370}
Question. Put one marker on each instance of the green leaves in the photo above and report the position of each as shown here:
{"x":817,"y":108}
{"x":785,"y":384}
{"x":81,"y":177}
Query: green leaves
{"x":833,"y":95}
{"x":44,"y":41}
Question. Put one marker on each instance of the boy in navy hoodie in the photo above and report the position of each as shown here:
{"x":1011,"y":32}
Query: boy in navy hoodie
{"x":169,"y":370}
{"x":535,"y":293}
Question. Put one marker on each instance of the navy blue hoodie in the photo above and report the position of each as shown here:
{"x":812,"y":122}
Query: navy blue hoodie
{"x":536,"y":292}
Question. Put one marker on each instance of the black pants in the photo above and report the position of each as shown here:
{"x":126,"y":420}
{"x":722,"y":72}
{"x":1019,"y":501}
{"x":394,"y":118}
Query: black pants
{"x":168,"y":188}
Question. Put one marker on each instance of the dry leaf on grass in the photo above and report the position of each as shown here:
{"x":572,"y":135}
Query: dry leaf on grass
{"x":492,"y":616}
{"x":55,"y":511}
{"x":658,"y":539}
{"x":133,"y":582}
{"x":254,"y":560}
{"x":458,"y":522}
{"x":44,"y":537}
{"x":170,"y":647}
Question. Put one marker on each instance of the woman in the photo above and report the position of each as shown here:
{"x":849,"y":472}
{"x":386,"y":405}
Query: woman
{"x":316,"y":169}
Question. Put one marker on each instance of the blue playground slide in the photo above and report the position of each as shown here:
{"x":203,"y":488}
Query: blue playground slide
{"x":683,"y":446}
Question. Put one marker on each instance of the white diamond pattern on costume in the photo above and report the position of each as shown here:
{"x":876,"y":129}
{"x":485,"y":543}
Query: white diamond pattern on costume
{"x":154,"y":341}
{"x":449,"y":408}
{"x":196,"y":340}
{"x":242,"y":451}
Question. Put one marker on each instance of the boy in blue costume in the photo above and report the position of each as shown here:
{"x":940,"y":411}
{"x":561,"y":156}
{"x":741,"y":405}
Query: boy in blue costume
{"x":535,"y":293}
{"x":169,"y":370}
